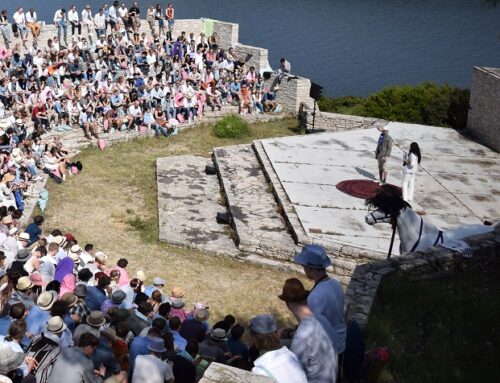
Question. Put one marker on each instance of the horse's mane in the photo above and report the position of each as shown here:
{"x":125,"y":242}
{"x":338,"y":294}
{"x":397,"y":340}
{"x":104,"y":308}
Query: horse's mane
{"x":388,"y":200}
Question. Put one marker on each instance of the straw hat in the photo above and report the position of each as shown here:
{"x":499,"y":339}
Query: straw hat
{"x":4,"y":123}
{"x":60,"y":240}
{"x":201,"y":315}
{"x":101,"y":257}
{"x":219,"y":334}
{"x":8,"y":178}
{"x":7,"y":220}
{"x":56,"y":325}
{"x":9,"y":359}
{"x":96,"y":319}
{"x":46,"y":300}
{"x":24,"y":283}
{"x":69,"y":298}
{"x":177,"y":292}
{"x":24,"y":236}
{"x":140,"y":275}
{"x":74,"y":252}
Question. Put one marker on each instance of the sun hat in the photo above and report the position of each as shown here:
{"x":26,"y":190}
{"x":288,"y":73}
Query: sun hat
{"x":385,"y":128}
{"x":60,"y":240}
{"x":74,"y":252}
{"x":4,"y":123}
{"x":80,"y":290}
{"x":313,"y":256}
{"x":9,"y":359}
{"x":101,"y":257}
{"x":22,"y":255}
{"x":178,"y":303}
{"x":201,"y":315}
{"x":46,"y":300}
{"x":177,"y":292}
{"x":140,"y":275}
{"x":293,"y":291}
{"x":159,"y":281}
{"x":96,"y":319}
{"x":19,"y":121}
{"x":157,"y":345}
{"x":37,"y":280}
{"x":69,"y":298}
{"x":8,"y":178}
{"x":24,"y":283}
{"x":24,"y":236}
{"x":200,"y":306}
{"x":56,"y":325}
{"x":13,"y":231}
{"x":7,"y":219}
{"x":263,"y":324}
{"x":219,"y":334}
{"x":16,"y":152}
{"x":118,"y":297}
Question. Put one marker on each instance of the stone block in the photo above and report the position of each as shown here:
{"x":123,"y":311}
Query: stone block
{"x":220,"y":373}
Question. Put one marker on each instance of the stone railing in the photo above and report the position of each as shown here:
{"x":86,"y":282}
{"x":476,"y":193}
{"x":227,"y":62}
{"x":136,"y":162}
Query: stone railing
{"x":366,"y":278}
{"x":335,"y":122}
{"x":220,"y":373}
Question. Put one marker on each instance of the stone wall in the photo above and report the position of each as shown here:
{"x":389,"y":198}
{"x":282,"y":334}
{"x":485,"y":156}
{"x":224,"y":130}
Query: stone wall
{"x":258,"y":57}
{"x":228,"y":33}
{"x":335,"y":122}
{"x":484,"y":112}
{"x":292,"y":92}
{"x":366,"y":278}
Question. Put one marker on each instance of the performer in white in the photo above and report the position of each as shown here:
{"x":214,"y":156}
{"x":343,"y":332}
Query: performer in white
{"x":410,"y":168}
{"x":87,"y":20}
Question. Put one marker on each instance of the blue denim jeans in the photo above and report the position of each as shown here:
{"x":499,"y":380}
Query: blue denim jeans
{"x":62,"y":26}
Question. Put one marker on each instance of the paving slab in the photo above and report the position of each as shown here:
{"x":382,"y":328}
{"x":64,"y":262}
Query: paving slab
{"x":457,"y":182}
{"x":258,"y":223}
{"x":188,"y":202}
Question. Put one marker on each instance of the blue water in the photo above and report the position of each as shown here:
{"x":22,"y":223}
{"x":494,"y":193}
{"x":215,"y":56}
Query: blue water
{"x":353,"y":47}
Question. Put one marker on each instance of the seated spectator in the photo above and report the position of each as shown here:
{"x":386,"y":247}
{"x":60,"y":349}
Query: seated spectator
{"x":140,"y":317}
{"x":212,"y":348}
{"x":175,"y":324}
{"x":275,"y":361}
{"x":235,"y":344}
{"x":150,"y":368}
{"x":193,"y":328}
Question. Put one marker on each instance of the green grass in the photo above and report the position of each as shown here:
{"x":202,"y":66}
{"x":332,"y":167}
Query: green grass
{"x":113,"y":204}
{"x":441,"y":330}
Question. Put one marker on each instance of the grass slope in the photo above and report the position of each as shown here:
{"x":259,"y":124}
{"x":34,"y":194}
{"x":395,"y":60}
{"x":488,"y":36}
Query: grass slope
{"x":113,"y":205}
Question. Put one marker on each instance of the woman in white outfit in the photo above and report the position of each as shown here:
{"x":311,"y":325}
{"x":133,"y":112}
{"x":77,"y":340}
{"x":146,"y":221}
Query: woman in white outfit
{"x":410,"y":167}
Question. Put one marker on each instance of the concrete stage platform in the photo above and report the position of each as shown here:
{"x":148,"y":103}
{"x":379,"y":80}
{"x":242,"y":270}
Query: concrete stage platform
{"x":457,"y":182}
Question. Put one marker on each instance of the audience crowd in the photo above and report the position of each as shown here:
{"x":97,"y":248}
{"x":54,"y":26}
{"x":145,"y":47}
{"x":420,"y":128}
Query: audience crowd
{"x":68,"y":314}
{"x":66,"y":311}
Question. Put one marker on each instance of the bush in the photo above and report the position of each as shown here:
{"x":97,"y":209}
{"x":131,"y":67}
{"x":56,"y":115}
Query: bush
{"x":231,"y":126}
{"x":426,"y":103}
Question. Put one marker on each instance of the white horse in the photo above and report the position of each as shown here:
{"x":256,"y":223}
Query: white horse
{"x":415,"y":234}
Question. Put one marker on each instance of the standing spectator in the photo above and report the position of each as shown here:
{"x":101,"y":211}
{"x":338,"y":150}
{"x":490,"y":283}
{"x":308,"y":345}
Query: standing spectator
{"x":326,"y":297}
{"x":61,"y":22}
{"x":20,"y":21}
{"x":100,"y":23}
{"x":170,"y":14}
{"x":74,"y":20}
{"x":382,"y":153}
{"x":275,"y":361}
{"x":87,"y":20}
{"x":410,"y":167}
{"x":134,"y":16}
{"x":34,"y":229}
{"x":5,"y":29}
{"x":75,"y":363}
{"x":150,"y":368}
{"x":32,"y":23}
{"x":313,"y":339}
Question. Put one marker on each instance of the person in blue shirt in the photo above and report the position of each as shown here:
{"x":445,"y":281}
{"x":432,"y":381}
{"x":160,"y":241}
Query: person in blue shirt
{"x":16,"y":311}
{"x":236,"y":346}
{"x":96,"y":295}
{"x":140,"y":344}
{"x":34,"y":229}
{"x":39,"y":314}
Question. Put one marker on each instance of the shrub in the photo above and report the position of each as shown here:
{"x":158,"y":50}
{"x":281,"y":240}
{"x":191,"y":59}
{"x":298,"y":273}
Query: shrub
{"x":426,"y":103}
{"x":231,"y":126}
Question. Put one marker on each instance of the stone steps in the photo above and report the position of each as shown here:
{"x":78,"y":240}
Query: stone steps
{"x":188,"y":202}
{"x":259,"y":226}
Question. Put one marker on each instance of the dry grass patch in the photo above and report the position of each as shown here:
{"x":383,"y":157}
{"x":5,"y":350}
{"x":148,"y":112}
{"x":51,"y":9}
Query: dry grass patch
{"x":113,"y":204}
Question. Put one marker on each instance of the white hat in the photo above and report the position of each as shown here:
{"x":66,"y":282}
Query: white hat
{"x":385,"y":128}
{"x":74,"y":252}
{"x":140,"y":275}
{"x":101,"y":257}
{"x":159,"y":281}
{"x":24,"y":236}
{"x":56,"y":325}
